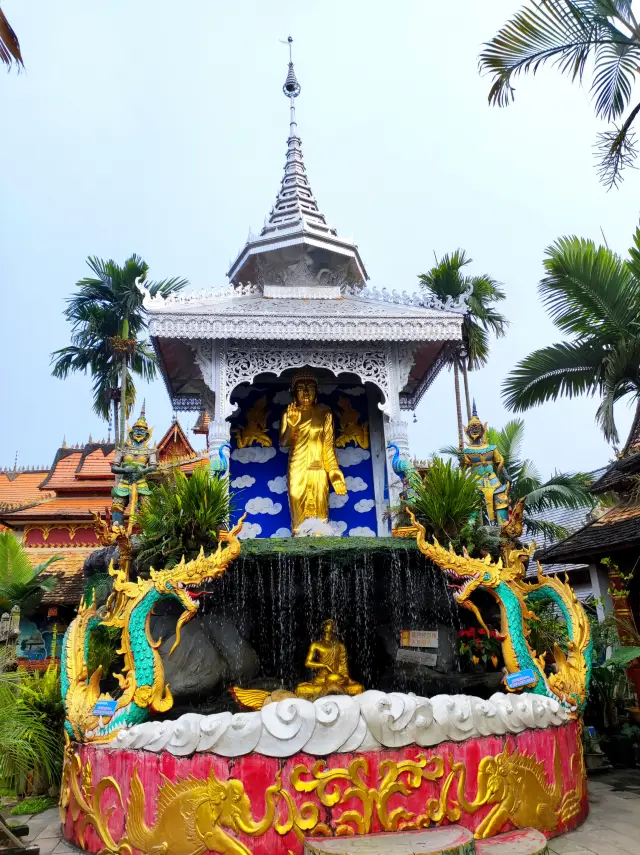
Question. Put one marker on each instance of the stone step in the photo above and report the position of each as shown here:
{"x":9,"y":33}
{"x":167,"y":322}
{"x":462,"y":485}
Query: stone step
{"x":524,"y":841}
{"x":448,"y":840}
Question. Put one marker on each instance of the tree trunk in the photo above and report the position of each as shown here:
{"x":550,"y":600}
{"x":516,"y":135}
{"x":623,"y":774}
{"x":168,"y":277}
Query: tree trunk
{"x":465,"y":377}
{"x":123,"y":385}
{"x":115,"y":421}
{"x":456,"y":380}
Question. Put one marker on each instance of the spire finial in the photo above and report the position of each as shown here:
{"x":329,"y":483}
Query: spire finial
{"x":474,"y":411}
{"x":291,"y":86}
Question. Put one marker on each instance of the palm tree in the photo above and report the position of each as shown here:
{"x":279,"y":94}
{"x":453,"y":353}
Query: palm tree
{"x":445,"y":499}
{"x":446,"y":281}
{"x":603,"y":35}
{"x":181,"y":515}
{"x":592,"y":295}
{"x":9,"y":44}
{"x":107,"y":316}
{"x":21,"y":583}
{"x":562,"y":490}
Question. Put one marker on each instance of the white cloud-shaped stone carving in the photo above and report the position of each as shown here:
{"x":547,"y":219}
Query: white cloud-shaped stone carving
{"x":355,"y":485}
{"x":336,"y":501}
{"x":278,"y":485}
{"x":361,"y":531}
{"x":313,"y":527}
{"x":262,"y":505}
{"x":243,"y":481}
{"x":339,"y":724}
{"x":253,"y":454}
{"x":351,"y":456}
{"x":354,"y":390}
{"x":364,"y":505}
{"x":282,"y":532}
{"x":250,"y":530}
{"x":282,"y":397}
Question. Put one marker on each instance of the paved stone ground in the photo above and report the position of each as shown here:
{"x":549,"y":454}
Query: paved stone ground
{"x":613,"y":826}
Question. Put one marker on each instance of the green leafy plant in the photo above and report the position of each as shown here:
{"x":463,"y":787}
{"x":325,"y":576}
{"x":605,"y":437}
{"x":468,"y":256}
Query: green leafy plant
{"x":33,"y":805}
{"x":445,"y":499}
{"x":30,"y":737}
{"x":104,"y":644}
{"x":107,"y":317}
{"x":22,"y":583}
{"x":547,"y":628}
{"x":576,"y":36}
{"x":593,"y":297}
{"x":181,"y":515}
{"x":476,"y":646}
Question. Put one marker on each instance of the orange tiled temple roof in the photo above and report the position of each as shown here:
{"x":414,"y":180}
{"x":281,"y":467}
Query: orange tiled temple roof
{"x":68,"y":572}
{"x":20,"y":488}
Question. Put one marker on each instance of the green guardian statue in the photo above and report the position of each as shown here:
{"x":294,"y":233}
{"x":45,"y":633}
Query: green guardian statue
{"x":132,"y":464}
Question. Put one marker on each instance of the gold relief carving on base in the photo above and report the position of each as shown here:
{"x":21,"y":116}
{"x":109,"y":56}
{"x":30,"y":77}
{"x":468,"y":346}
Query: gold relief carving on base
{"x":196,"y":815}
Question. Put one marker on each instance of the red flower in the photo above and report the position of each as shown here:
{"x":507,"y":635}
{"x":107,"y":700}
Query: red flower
{"x":482,"y":632}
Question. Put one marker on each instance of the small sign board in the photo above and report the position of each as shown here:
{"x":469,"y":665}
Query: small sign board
{"x":519,"y":679}
{"x":106,"y":708}
{"x":417,"y":657}
{"x":419,"y":638}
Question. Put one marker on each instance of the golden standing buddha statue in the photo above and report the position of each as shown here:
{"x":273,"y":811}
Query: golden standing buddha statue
{"x":307,"y":430}
{"x":328,"y":658}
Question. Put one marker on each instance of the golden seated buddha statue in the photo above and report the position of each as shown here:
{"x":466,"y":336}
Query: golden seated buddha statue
{"x":328,"y":658}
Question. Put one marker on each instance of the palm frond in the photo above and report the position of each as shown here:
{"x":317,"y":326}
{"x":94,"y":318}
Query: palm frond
{"x":565,"y":369}
{"x":616,"y":65}
{"x":589,"y":290}
{"x":562,"y":490}
{"x":509,"y":441}
{"x":9,"y":44}
{"x":559,"y":31}
{"x":446,"y":498}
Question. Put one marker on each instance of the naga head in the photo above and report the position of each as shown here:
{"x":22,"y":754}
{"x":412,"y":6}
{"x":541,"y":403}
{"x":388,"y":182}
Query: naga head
{"x":185,"y":581}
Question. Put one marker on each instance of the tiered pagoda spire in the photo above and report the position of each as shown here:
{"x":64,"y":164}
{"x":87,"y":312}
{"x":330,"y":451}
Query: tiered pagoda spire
{"x":295,"y":236}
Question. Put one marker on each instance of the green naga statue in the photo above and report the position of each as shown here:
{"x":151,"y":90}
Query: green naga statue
{"x":132,"y":463}
{"x":487,"y":464}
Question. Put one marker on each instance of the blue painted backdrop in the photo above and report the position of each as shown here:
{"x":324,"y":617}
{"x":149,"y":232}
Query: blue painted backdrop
{"x":259,"y":475}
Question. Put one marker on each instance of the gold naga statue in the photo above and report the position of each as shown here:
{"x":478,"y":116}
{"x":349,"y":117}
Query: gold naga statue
{"x":132,"y":463}
{"x":307,"y":430}
{"x":487,"y":464}
{"x":327,"y":657}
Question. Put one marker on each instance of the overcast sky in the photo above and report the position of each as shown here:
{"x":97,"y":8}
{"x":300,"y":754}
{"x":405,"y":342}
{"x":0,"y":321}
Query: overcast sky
{"x":160,"y":128}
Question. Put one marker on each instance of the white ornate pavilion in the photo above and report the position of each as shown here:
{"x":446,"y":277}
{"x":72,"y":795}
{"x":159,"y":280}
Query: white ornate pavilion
{"x":298,"y":297}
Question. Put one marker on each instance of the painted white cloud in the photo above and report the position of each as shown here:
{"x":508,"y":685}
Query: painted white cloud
{"x":284,"y":449}
{"x":278,"y":485}
{"x":276,"y":425}
{"x":253,"y":454}
{"x":354,"y":390}
{"x":282,"y":532}
{"x":282,"y":397}
{"x":250,"y":530}
{"x":327,"y":388}
{"x":336,"y":501}
{"x":361,"y":531}
{"x":243,"y":481}
{"x":364,"y":505}
{"x":262,"y":505}
{"x":339,"y":526}
{"x":314,"y":526}
{"x":355,"y":485}
{"x":351,"y":456}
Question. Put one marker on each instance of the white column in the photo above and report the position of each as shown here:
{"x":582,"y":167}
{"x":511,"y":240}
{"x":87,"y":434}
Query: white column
{"x":600,"y":588}
{"x":211,"y":357}
{"x":378,"y":458}
{"x":396,"y":428}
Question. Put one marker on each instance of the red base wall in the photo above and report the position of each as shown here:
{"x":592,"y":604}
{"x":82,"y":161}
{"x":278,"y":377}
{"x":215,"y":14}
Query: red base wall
{"x":374,"y":800}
